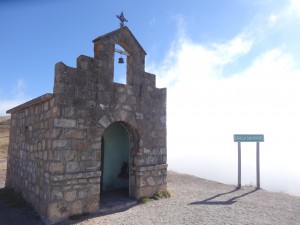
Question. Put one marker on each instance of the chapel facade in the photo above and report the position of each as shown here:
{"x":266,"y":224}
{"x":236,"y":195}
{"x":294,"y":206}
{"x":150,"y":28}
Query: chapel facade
{"x":91,"y":134}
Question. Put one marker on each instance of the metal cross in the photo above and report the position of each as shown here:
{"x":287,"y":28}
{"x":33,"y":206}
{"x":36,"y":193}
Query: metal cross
{"x":122,"y":19}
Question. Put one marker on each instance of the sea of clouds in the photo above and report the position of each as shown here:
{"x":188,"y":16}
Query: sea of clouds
{"x":209,"y":101}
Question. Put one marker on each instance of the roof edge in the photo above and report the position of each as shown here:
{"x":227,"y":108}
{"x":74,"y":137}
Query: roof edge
{"x":34,"y":101}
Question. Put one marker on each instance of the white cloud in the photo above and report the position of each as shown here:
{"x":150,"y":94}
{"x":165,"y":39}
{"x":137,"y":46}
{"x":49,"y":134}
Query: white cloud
{"x":273,"y":19}
{"x":18,"y":89}
{"x":234,"y":48}
{"x":288,"y":15}
{"x":8,"y":104}
{"x":176,"y":68}
{"x":294,"y":7}
{"x":17,"y":97}
{"x":205,"y":109}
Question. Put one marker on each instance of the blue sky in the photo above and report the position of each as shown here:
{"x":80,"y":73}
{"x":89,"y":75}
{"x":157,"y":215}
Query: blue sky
{"x":229,"y":66}
{"x":37,"y":34}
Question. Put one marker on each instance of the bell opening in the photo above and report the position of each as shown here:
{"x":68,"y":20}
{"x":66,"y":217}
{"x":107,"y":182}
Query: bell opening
{"x":121,"y":60}
{"x":120,"y":65}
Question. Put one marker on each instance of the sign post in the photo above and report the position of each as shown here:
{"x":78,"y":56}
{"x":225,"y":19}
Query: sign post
{"x":257,"y":166}
{"x":248,"y":138}
{"x":239,"y":165}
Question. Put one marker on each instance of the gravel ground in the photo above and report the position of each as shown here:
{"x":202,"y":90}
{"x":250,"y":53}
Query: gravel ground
{"x":194,"y":201}
{"x":199,"y":201}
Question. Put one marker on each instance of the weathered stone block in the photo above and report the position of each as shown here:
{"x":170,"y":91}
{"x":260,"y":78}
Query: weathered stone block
{"x":163,"y":119}
{"x":55,"y":133}
{"x":80,"y":145}
{"x":58,"y":211}
{"x":75,"y":133}
{"x":96,"y":145}
{"x":83,"y":194}
{"x":70,"y":196}
{"x":71,"y":182}
{"x":72,"y":167}
{"x":127,"y":107}
{"x":57,"y":167}
{"x":70,"y":155}
{"x":56,"y":194}
{"x":68,"y":111}
{"x":59,"y":143}
{"x":104,"y":121}
{"x":46,"y":106}
{"x":82,"y":181}
{"x":95,"y":189}
{"x":150,"y":181}
{"x":92,"y":203}
{"x":141,"y":182}
{"x":163,"y":151}
{"x":65,"y":123}
{"x":89,"y":166}
{"x":146,"y":191}
{"x":94,"y":180}
{"x":139,"y":116}
{"x":76,"y":207}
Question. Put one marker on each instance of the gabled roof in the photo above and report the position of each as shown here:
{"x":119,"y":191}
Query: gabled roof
{"x":113,"y":33}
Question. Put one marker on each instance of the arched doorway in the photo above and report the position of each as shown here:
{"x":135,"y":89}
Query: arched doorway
{"x":115,"y":154}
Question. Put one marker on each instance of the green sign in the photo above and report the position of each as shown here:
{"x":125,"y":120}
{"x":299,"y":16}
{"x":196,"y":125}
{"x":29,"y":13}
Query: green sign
{"x":248,"y":138}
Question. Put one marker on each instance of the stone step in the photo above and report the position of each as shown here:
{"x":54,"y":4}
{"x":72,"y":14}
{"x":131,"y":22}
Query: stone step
{"x":117,"y":206}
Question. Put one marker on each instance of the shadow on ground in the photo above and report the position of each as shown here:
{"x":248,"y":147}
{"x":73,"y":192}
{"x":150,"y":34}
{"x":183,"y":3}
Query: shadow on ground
{"x":80,"y":218}
{"x":15,"y":211}
{"x":232,"y":200}
{"x":114,"y":201}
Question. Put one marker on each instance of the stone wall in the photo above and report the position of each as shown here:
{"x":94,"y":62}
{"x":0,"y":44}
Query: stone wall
{"x":29,"y":152}
{"x":55,"y":145}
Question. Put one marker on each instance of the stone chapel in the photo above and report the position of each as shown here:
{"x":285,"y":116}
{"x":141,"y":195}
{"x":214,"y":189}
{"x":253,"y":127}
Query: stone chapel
{"x":91,"y":134}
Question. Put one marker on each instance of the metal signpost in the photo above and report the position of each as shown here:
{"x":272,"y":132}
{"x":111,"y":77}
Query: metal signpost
{"x":248,"y":138}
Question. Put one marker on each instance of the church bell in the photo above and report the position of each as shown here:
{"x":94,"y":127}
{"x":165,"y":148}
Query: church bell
{"x":121,"y":60}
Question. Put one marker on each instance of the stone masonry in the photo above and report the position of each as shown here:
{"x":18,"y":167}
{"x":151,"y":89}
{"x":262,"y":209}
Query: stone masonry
{"x":54,"y":156}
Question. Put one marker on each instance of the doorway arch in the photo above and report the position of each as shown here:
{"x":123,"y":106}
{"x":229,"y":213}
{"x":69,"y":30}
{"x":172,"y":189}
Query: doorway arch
{"x":115,"y":158}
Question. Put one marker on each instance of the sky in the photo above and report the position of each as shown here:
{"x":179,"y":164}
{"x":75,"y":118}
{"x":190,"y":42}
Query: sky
{"x":230,"y":67}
